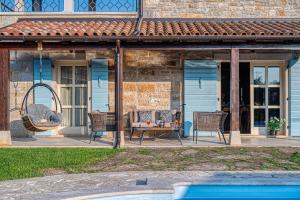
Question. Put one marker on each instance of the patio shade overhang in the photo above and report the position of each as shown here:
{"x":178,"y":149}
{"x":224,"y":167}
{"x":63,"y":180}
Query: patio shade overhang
{"x":153,"y":30}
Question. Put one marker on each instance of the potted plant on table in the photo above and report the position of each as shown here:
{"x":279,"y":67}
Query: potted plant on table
{"x":275,"y":125}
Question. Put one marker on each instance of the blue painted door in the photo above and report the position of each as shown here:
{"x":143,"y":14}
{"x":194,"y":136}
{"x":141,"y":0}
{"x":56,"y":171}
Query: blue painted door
{"x":41,"y":94}
{"x":200,"y":91}
{"x":294,"y":97}
{"x":99,"y":75}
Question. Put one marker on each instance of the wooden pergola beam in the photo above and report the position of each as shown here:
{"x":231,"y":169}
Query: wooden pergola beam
{"x":5,"y":138}
{"x":235,"y":138}
{"x":119,"y":136}
{"x":55,"y":46}
{"x":179,"y":46}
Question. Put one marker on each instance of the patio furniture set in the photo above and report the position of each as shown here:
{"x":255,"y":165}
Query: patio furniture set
{"x":159,"y":121}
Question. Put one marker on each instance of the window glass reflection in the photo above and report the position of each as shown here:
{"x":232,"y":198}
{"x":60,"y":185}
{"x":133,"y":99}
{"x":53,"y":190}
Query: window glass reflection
{"x":259,"y":96}
{"x":274,"y":75}
{"x":274,"y":96}
{"x":80,"y":116}
{"x":274,"y":112}
{"x":80,"y":75}
{"x":66,"y":96}
{"x":80,"y":96}
{"x":67,"y":119}
{"x":259,"y":117}
{"x":66,"y":75}
{"x":259,"y":75}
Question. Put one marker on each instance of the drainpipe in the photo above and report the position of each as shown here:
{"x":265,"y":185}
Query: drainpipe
{"x":140,"y":18}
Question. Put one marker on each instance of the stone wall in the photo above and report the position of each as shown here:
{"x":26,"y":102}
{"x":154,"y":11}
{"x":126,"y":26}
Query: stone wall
{"x":21,"y":81}
{"x":222,"y":8}
{"x":188,"y":9}
{"x":152,"y":80}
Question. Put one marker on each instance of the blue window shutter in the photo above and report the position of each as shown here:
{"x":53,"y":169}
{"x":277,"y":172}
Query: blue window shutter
{"x":200,"y":91}
{"x":99,"y":75}
{"x":294,"y":97}
{"x":43,"y":95}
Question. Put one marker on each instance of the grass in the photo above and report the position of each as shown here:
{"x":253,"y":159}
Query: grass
{"x":32,"y":162}
{"x":25,"y":163}
{"x":295,"y":157}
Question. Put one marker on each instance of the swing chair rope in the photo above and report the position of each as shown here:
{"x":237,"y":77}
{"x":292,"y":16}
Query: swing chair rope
{"x":41,"y":65}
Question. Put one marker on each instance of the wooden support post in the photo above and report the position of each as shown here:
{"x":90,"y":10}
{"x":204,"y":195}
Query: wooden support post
{"x":5,"y":138}
{"x":235,"y":137}
{"x":119,"y":136}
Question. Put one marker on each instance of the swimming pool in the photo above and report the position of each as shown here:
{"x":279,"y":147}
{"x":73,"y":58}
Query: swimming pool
{"x":216,"y":192}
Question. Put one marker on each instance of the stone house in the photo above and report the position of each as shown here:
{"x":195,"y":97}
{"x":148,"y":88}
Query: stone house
{"x":237,"y":56}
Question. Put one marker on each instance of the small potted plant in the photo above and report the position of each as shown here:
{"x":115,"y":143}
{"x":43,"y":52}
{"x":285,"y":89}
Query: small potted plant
{"x":275,"y":125}
{"x":160,"y":122}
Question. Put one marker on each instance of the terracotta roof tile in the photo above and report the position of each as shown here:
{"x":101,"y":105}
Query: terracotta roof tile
{"x":152,"y":28}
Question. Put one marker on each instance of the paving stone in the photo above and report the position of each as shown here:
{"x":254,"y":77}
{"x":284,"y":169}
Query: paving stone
{"x":74,"y":185}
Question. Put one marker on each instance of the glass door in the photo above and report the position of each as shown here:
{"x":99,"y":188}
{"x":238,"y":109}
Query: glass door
{"x":265,"y":96}
{"x":74,"y":98}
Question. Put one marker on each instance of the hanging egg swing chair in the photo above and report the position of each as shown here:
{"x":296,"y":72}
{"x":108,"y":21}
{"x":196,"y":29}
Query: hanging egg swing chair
{"x":38,"y":117}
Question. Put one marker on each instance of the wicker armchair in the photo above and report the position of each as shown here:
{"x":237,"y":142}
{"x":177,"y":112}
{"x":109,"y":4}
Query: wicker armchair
{"x":101,"y":122}
{"x":209,"y":121}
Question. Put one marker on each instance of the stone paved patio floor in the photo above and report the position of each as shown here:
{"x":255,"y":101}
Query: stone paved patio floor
{"x":151,"y":142}
{"x":76,"y":185}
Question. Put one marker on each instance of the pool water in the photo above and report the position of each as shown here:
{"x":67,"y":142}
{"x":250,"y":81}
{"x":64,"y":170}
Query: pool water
{"x":238,"y":192}
{"x":218,"y":192}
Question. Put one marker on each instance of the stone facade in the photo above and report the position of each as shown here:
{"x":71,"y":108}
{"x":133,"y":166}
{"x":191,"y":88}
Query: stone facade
{"x":152,"y":80}
{"x":187,"y":9}
{"x":222,"y":8}
{"x":21,"y":81}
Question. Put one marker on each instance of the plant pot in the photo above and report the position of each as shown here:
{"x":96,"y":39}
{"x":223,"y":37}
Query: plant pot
{"x":272,"y":132}
{"x":277,"y":132}
{"x":160,"y":123}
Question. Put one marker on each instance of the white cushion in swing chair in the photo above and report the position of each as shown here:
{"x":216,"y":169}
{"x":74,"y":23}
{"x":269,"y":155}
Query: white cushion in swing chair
{"x":41,"y":115}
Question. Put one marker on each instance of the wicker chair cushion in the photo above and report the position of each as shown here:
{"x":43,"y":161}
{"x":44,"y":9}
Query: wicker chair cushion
{"x":165,"y":115}
{"x":53,"y":117}
{"x":144,"y":116}
{"x":41,"y":115}
{"x":46,"y":124}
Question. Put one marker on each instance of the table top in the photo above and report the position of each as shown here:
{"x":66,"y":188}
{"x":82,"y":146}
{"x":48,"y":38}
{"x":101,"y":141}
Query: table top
{"x":156,"y":128}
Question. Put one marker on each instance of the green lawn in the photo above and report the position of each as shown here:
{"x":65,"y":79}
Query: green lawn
{"x":16,"y":163}
{"x":24,"y":163}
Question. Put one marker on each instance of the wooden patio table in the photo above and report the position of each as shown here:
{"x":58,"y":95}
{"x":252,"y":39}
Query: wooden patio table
{"x":157,"y":128}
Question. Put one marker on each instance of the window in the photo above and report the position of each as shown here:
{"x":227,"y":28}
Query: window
{"x":79,"y":5}
{"x":106,"y":5}
{"x":31,"y":5}
{"x":266,"y":94}
{"x":73,"y":95}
